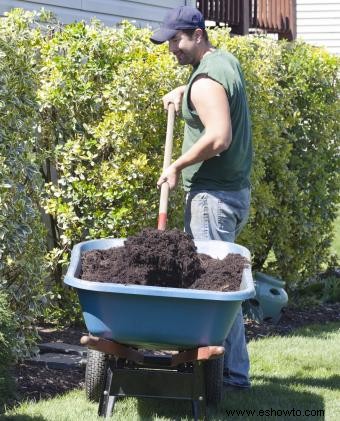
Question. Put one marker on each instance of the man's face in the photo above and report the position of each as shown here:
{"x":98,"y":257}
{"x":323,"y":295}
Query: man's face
{"x":184,"y":48}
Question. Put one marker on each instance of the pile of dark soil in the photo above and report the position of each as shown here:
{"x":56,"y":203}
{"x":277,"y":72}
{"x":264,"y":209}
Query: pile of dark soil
{"x":163,"y":258}
{"x":221,"y":275}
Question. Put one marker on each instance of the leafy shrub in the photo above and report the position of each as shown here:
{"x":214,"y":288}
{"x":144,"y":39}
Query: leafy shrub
{"x":22,"y":236}
{"x":332,"y":290}
{"x":100,"y":127}
{"x":293,"y":92}
{"x":319,"y":289}
{"x":104,"y":87}
{"x":312,"y":86}
{"x":62,"y":307}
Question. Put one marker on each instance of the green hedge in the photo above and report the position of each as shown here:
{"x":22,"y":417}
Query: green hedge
{"x":104,"y":87}
{"x":94,"y":113}
{"x":294,"y":98}
{"x":22,"y":234}
{"x":100,"y":97}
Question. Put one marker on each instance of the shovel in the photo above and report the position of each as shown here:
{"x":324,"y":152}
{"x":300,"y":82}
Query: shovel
{"x":163,"y":202}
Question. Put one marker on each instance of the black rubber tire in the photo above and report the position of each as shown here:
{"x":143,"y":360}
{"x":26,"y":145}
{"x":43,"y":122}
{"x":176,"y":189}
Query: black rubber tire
{"x":95,"y":374}
{"x":213,"y":371}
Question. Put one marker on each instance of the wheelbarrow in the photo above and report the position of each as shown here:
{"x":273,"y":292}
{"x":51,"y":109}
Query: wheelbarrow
{"x":149,"y":341}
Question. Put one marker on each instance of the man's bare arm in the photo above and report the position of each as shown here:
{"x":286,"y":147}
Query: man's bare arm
{"x":210,"y":101}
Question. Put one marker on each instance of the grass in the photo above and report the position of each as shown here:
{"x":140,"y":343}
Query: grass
{"x":296,"y":373}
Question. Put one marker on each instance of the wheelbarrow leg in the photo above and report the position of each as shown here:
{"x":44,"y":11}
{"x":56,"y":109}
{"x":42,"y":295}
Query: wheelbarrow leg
{"x":197,"y":411}
{"x":198,"y":402}
{"x":107,"y":401}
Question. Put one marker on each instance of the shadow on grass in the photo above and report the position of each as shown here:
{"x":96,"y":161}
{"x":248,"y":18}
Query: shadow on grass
{"x":176,"y":410}
{"x":262,"y":401}
{"x":270,"y":401}
{"x":331,"y":383}
{"x":317,"y":331}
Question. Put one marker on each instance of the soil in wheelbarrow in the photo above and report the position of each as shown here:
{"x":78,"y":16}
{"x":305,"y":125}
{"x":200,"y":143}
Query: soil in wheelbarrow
{"x":163,"y":258}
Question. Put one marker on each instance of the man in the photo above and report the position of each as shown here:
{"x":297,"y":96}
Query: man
{"x":216,"y":153}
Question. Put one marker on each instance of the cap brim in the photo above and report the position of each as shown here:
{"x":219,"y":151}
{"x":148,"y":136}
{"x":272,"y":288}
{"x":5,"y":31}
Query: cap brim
{"x":162,"y":35}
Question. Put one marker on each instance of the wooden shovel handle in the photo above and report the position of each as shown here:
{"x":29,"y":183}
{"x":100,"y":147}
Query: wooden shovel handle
{"x":163,"y":202}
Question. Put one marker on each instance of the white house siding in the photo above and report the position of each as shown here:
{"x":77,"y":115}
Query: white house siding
{"x":318,"y":23}
{"x":110,"y":12}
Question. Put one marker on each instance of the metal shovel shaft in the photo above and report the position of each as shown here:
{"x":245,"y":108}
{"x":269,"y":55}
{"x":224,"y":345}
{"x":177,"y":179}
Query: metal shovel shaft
{"x":163,"y":202}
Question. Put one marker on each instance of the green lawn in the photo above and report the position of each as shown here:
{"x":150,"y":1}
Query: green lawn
{"x":299,"y":373}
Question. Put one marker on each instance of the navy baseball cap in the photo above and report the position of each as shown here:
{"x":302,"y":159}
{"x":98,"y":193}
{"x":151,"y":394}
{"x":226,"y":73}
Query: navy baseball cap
{"x":183,"y":17}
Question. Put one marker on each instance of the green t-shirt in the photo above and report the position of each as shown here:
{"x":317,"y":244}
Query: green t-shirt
{"x":230,"y":170}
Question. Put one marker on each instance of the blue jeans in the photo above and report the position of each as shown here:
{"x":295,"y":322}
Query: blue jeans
{"x":220,"y":215}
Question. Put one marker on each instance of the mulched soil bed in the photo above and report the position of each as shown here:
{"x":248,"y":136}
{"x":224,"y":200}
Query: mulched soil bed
{"x":34,"y":383}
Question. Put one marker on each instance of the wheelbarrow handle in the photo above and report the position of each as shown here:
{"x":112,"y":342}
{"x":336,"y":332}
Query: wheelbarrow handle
{"x":111,"y":347}
{"x":163,"y":202}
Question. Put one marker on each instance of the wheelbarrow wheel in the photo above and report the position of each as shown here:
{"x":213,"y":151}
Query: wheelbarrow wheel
{"x":213,"y":371}
{"x":95,"y":374}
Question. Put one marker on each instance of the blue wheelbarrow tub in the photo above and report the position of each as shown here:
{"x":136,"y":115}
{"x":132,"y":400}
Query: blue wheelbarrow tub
{"x":153,"y":317}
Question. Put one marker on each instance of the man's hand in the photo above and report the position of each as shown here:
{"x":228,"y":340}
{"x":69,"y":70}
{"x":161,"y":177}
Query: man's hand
{"x":170,"y":176}
{"x":175,"y":96}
